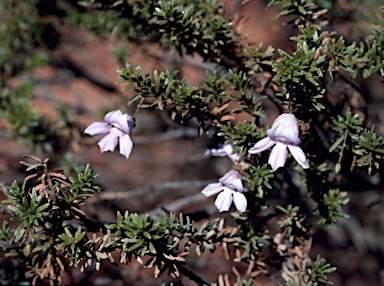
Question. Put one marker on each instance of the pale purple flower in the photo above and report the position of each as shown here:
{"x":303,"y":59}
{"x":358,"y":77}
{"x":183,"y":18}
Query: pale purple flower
{"x":229,"y":188}
{"x":284,"y":133}
{"x":116,"y":128}
{"x":225,"y":150}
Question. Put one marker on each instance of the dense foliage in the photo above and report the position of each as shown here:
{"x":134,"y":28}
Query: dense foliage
{"x":51,"y":233}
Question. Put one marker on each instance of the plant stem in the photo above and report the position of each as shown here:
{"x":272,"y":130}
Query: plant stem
{"x":192,"y":276}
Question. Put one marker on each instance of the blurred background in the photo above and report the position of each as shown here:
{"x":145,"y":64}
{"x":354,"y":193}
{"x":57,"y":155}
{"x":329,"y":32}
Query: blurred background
{"x":167,"y":169}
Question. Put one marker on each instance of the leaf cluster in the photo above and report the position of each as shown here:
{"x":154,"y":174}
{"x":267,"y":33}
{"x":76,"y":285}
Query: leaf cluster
{"x":41,"y":207}
{"x":331,"y":206}
{"x":315,"y":274}
{"x":167,"y":241}
{"x":47,"y":206}
{"x":330,"y":199}
{"x":259,"y":60}
{"x":318,"y":272}
{"x":243,"y":135}
{"x":305,"y":11}
{"x":185,"y":26}
{"x":209,"y":104}
{"x":303,"y":73}
{"x":369,"y":148}
{"x":259,"y":178}
{"x":346,"y":128}
{"x":293,"y":222}
{"x":51,"y":207}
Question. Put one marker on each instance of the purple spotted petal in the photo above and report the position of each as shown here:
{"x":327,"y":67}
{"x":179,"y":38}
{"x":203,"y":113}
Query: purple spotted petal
{"x":240,"y":201}
{"x":109,"y":142}
{"x":97,"y":128}
{"x":224,"y":200}
{"x":212,"y":189}
{"x":262,"y":145}
{"x":278,"y":156}
{"x":299,"y":156}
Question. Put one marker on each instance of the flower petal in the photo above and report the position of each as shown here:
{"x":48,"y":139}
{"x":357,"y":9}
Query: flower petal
{"x":287,"y":120}
{"x":126,"y":123}
{"x":284,"y":134}
{"x":228,"y":149}
{"x":299,"y":156}
{"x":109,"y":142}
{"x":285,"y":129}
{"x":278,"y":156}
{"x":232,"y":180}
{"x":240,"y":201}
{"x":131,"y":122}
{"x":225,"y":150}
{"x":112,"y":116}
{"x":97,"y":128}
{"x":212,"y":189}
{"x":262,"y":145}
{"x":219,"y":152}
{"x":119,"y":120}
{"x":125,"y":145}
{"x":224,"y":200}
{"x":293,"y":136}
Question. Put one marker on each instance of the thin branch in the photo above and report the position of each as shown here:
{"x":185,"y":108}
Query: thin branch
{"x":177,"y":205}
{"x":192,"y":276}
{"x":142,"y":191}
{"x":169,"y":135}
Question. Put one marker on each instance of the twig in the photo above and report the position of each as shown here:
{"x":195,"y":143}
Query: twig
{"x":192,"y":276}
{"x":181,"y":203}
{"x":138,"y":106}
{"x":141,"y":191}
{"x":169,"y":135}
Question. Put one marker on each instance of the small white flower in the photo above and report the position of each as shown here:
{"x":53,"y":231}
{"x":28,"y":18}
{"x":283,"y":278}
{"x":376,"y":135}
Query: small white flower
{"x":117,"y":127}
{"x":225,"y":150}
{"x":284,"y":133}
{"x":230,"y":188}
